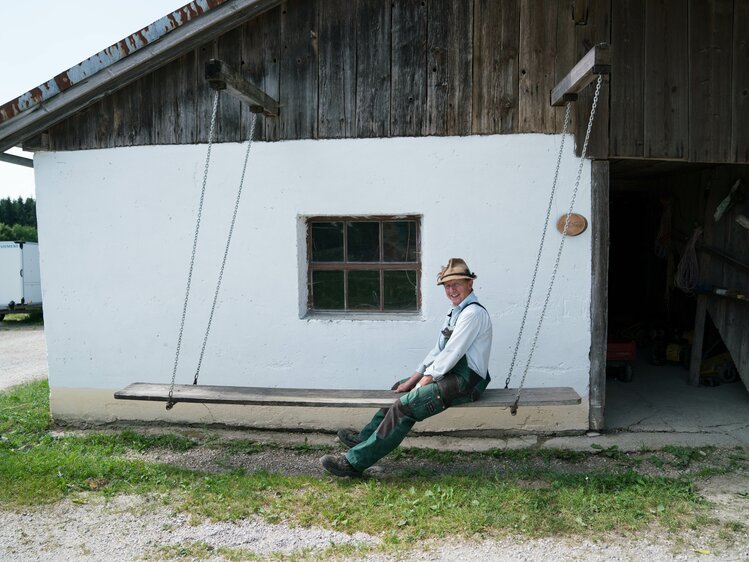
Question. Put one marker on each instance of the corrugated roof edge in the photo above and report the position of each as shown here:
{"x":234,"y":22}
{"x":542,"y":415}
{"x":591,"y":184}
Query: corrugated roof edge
{"x":103,"y":59}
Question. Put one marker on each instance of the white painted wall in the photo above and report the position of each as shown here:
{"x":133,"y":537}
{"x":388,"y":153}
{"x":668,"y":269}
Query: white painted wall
{"x":116,"y":229}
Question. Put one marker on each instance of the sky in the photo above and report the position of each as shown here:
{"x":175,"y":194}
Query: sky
{"x":45,"y":37}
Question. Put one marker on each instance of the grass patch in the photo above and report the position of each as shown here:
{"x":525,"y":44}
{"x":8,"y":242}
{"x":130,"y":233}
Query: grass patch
{"x":202,"y":551}
{"x":30,"y":318}
{"x":37,"y":467}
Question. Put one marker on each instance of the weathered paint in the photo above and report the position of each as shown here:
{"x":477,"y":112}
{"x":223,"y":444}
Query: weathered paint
{"x":107,"y":57}
{"x":113,"y":301}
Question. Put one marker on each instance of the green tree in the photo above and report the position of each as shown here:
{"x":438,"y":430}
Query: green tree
{"x":5,"y":232}
{"x":18,"y":233}
{"x":7,"y":211}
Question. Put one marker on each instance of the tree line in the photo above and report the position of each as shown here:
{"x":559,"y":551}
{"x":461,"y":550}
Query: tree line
{"x":18,"y":220}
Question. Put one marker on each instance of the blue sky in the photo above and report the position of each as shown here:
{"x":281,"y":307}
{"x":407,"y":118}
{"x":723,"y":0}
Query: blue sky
{"x":41,"y":39}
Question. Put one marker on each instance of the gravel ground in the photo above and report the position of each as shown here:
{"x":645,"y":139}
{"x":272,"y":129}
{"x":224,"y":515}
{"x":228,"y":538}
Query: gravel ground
{"x":23,"y":350}
{"x":91,"y":528}
{"x":129,"y":529}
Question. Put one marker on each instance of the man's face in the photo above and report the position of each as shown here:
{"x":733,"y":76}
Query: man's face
{"x":458,"y":290}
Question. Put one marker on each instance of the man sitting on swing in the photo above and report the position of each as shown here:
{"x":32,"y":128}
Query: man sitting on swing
{"x":454,"y":372}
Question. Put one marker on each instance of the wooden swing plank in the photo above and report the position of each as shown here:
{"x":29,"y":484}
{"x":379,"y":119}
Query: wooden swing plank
{"x":204,"y":394}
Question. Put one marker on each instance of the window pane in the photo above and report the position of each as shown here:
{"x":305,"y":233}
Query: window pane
{"x":327,"y":241}
{"x":399,"y":240}
{"x":400,"y":290}
{"x":364,"y":290}
{"x":327,"y":290}
{"x":363,"y":241}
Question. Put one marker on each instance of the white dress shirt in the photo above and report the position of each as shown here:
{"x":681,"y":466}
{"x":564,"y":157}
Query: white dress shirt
{"x":471,"y":336}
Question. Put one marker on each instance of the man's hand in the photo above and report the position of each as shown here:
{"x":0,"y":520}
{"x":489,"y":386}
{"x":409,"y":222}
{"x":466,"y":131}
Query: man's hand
{"x":409,"y":384}
{"x":425,"y":380}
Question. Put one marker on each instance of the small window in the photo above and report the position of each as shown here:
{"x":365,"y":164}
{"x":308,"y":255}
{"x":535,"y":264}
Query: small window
{"x":364,"y":264}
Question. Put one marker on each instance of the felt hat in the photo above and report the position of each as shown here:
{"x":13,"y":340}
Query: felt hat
{"x":456,"y":268}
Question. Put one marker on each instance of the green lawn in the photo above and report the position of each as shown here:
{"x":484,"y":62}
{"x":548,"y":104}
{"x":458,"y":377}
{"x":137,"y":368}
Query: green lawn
{"x":538,"y":493}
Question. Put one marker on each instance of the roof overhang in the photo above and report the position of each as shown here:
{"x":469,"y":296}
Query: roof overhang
{"x":142,"y":52}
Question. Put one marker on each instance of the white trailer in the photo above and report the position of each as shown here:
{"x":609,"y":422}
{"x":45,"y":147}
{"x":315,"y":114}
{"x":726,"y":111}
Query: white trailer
{"x":20,"y":279}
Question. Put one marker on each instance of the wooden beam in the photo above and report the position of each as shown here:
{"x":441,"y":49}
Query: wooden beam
{"x":13,"y":159}
{"x":599,"y":291}
{"x":221,"y":76}
{"x":695,"y":362}
{"x":318,"y":398}
{"x":595,"y":62}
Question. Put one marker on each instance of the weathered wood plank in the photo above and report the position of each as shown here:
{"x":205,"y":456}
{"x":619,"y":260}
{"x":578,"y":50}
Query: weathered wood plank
{"x":627,"y":73}
{"x":710,"y":67}
{"x":438,"y":26}
{"x":260,"y":55}
{"x":495,"y":78}
{"x":298,"y":70}
{"x":373,"y":69}
{"x":134,"y":125}
{"x":101,"y":122}
{"x":231,"y":109}
{"x":599,"y":292}
{"x":597,"y":30}
{"x":337,"y":73}
{"x":740,"y":88}
{"x":538,"y":21}
{"x":173,"y":104}
{"x":408,"y":75}
{"x":449,"y":67}
{"x":666,"y":80}
{"x":552,"y":396}
{"x":204,"y":94}
{"x":566,"y":55}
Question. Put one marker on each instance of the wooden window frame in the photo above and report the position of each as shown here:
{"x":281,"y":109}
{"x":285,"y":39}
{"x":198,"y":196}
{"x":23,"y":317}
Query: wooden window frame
{"x":347,"y":266}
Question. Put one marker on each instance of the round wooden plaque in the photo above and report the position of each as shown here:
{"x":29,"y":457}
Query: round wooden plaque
{"x":578,"y":224}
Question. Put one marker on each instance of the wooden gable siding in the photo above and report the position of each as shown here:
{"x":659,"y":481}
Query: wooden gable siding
{"x":377,"y":68}
{"x":355,"y":68}
{"x":680,"y":77}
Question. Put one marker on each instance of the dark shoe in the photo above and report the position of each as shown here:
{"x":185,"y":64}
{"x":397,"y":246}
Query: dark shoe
{"x":348,"y":437}
{"x":338,"y":465}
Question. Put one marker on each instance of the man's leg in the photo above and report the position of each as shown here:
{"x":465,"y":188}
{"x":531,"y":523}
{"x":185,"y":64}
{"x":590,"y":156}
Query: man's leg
{"x":351,"y":437}
{"x":395,"y":424}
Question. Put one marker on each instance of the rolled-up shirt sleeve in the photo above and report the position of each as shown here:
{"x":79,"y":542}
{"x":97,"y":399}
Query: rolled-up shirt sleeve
{"x":466,"y":330}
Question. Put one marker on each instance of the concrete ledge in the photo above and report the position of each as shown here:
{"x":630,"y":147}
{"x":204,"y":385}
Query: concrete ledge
{"x":636,"y":441}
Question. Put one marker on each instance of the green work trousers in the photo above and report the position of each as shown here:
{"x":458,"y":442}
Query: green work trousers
{"x":389,"y":426}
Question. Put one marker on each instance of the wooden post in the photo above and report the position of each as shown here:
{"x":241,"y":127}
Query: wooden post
{"x":695,"y":363}
{"x":595,"y":62}
{"x":222,"y":77}
{"x":599,"y":292}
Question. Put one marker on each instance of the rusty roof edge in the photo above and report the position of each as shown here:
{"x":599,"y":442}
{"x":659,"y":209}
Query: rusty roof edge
{"x":107,"y":57}
{"x":44,"y":115}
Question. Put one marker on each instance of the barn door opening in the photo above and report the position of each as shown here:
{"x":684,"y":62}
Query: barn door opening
{"x":658,"y":273}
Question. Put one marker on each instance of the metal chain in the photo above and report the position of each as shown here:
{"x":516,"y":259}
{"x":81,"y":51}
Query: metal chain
{"x":514,"y":407}
{"x":170,"y":402}
{"x":541,"y":245}
{"x":226,"y":249}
